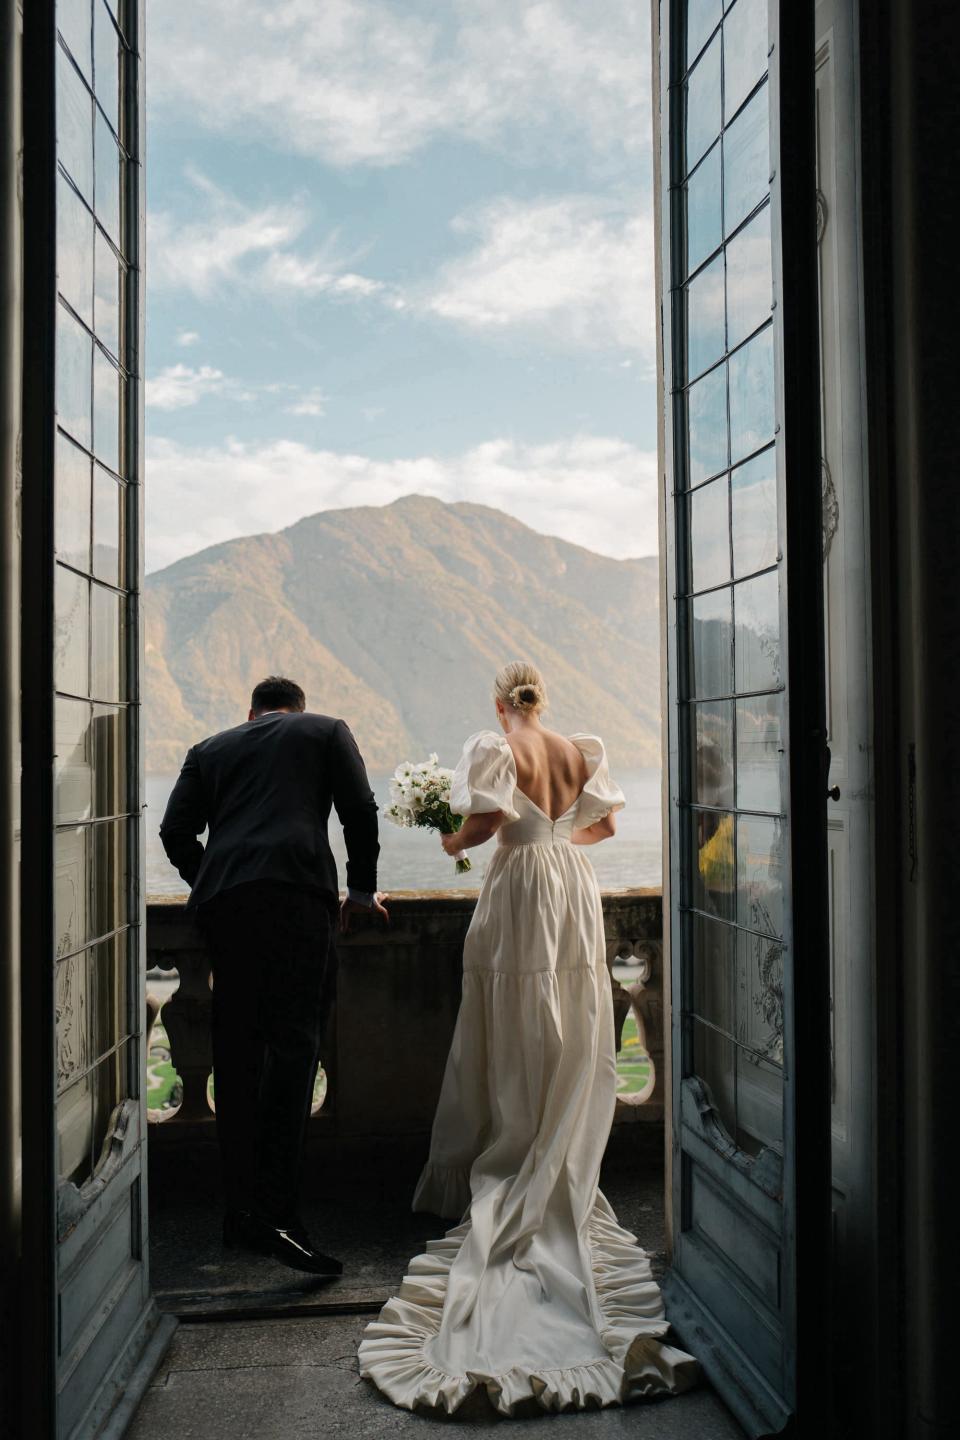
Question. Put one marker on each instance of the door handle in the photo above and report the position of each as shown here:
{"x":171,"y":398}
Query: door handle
{"x":834,"y":792}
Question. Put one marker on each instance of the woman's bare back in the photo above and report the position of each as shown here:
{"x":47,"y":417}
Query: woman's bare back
{"x":551,"y":771}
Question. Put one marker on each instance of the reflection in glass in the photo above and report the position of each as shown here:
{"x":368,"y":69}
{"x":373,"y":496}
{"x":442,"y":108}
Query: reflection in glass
{"x":73,"y":775}
{"x":108,"y":636}
{"x":703,"y":103}
{"x":108,"y":995}
{"x":713,"y":971}
{"x":109,"y":748}
{"x":106,"y":410}
{"x":74,"y":126}
{"x":72,"y":504}
{"x":714,"y":1060}
{"x":108,"y":282}
{"x":757,"y":606}
{"x":705,"y":327}
{"x":109,"y":1088}
{"x":90,"y":883}
{"x":745,"y":46}
{"x":759,"y":1104}
{"x":759,"y":966}
{"x":759,"y":753}
{"x":70,"y":631}
{"x":74,"y":360}
{"x":709,"y":535}
{"x":70,"y":907}
{"x":107,"y":495}
{"x":74,"y":250}
{"x":108,"y":181}
{"x":73,"y":22}
{"x":106,"y":48}
{"x":749,"y":279}
{"x":751,"y":396}
{"x":703,"y":17}
{"x":711,"y":644}
{"x":754,"y":512}
{"x":707,"y":425}
{"x":74,"y":1132}
{"x":713,"y":754}
{"x":72,"y":994}
{"x":760,"y":873}
{"x":704,"y":221}
{"x":746,"y":161}
{"x":712,"y":869}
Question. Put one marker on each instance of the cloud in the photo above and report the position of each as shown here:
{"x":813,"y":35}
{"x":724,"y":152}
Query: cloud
{"x":313,"y":403}
{"x":187,"y":338}
{"x":592,"y":490}
{"x":179,"y":386}
{"x":578,"y":267}
{"x":372,"y":82}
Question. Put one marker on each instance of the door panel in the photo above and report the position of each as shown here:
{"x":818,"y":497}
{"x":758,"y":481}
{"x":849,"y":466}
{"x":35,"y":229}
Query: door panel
{"x":747,"y":776}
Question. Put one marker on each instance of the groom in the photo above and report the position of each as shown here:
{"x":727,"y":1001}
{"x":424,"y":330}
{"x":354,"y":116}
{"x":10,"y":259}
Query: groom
{"x":264,"y":890}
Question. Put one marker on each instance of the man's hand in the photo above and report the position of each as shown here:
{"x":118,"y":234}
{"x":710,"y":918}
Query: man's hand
{"x":349,"y":908}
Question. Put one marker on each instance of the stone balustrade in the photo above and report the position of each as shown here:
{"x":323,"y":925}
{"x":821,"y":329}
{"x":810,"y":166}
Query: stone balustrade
{"x":396,"y":994}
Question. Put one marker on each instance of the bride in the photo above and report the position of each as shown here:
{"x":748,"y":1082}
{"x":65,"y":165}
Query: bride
{"x":537,"y":1293}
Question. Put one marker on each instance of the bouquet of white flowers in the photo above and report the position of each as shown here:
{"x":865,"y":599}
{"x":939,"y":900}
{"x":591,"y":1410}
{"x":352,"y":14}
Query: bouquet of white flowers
{"x":420,"y":797}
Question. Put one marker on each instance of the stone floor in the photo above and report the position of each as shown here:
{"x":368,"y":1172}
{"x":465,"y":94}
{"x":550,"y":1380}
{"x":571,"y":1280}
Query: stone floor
{"x":264,"y":1353}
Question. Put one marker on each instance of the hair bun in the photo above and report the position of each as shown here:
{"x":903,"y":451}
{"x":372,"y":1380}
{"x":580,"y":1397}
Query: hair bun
{"x":525,"y":697}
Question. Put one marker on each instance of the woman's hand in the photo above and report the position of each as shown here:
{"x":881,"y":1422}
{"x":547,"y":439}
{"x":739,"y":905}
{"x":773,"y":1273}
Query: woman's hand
{"x":452,"y":844}
{"x":475,"y":830}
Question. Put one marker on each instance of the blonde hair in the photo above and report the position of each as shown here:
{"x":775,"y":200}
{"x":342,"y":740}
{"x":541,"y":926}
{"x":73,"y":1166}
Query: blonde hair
{"x":520,"y":686}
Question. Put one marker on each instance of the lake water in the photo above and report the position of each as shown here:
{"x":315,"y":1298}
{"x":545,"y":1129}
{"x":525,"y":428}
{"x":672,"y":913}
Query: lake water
{"x":413,"y":860}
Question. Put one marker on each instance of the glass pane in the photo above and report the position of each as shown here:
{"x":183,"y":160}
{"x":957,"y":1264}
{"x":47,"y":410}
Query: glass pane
{"x":73,"y":775}
{"x":760,"y":995}
{"x":749,"y":279}
{"x":754,"y":509}
{"x":108,"y":639}
{"x":108,"y":994}
{"x":107,"y":497}
{"x":74,"y":250}
{"x":74,"y":126}
{"x":72,"y":992}
{"x":746,"y":161}
{"x":70,"y":632}
{"x":713,"y":864}
{"x":759,"y":753}
{"x":703,"y":103}
{"x":707,"y":425}
{"x":106,"y":57}
{"x":109,"y":876}
{"x":109,"y":1088}
{"x":713,"y":755}
{"x":108,"y":181}
{"x":71,"y":911}
{"x":745,"y":46}
{"x":760,"y":873}
{"x":759,"y":1104}
{"x":74,"y":24}
{"x":704,"y":220}
{"x":757,"y":605}
{"x":108,"y":292}
{"x":714,"y":1060}
{"x":74,"y":1132}
{"x":90,"y":894}
{"x":111,"y":794}
{"x":703,"y":17}
{"x":106,"y":410}
{"x":713,"y":971}
{"x":751,"y":396}
{"x":705,"y":328}
{"x":709,"y":535}
{"x":74,"y":362}
{"x":711,"y":644}
{"x":72,"y":505}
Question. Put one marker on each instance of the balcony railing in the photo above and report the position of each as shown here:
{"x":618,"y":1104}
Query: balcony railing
{"x":397,"y":991}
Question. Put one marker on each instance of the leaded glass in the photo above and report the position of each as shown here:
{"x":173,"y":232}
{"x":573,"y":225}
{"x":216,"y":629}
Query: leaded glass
{"x":711,"y":638}
{"x":714,"y":1060}
{"x":74,"y":21}
{"x":754,"y":513}
{"x":757,"y":633}
{"x":704,"y":215}
{"x":108,"y":740}
{"x":759,"y":752}
{"x":71,"y":632}
{"x":703,"y":103}
{"x":107,"y":641}
{"x":74,"y":376}
{"x":744,"y":52}
{"x":108,"y":164}
{"x":712,"y":775}
{"x":705,"y":319}
{"x":713,"y":978}
{"x":760,"y":861}
{"x":107,"y":965}
{"x":74,"y":251}
{"x":749,"y":279}
{"x":106,"y":56}
{"x":74,"y":126}
{"x":707,"y":426}
{"x":106,"y":410}
{"x":73,"y":774}
{"x":75,"y":1132}
{"x":72,"y":505}
{"x":709,"y":536}
{"x":746,"y":162}
{"x":108,"y":293}
{"x":107,"y":502}
{"x":712,"y":875}
{"x":703,"y":17}
{"x":751,"y":396}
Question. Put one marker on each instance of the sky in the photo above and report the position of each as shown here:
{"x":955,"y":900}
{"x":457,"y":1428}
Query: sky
{"x":399,"y":247}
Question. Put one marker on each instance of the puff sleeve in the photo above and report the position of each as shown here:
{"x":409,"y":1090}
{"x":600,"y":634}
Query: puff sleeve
{"x":485,"y":777}
{"x":600,"y":795}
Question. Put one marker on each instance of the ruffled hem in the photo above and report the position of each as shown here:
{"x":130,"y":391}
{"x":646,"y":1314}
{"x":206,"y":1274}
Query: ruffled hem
{"x":394,"y":1351}
{"x":443,"y":1190}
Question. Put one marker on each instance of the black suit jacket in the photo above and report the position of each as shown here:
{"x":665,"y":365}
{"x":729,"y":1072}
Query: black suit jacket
{"x":264,"y":791}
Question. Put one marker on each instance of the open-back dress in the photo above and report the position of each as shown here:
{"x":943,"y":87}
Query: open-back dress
{"x":538,"y":1292}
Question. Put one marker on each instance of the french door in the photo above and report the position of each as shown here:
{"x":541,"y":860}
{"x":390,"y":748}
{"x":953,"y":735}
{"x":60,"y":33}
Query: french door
{"x":747,"y":758}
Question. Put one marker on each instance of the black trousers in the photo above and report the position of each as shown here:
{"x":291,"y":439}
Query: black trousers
{"x":271,"y":948}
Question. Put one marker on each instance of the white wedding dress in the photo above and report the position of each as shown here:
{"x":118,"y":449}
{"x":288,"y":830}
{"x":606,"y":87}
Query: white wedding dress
{"x":538,"y":1292}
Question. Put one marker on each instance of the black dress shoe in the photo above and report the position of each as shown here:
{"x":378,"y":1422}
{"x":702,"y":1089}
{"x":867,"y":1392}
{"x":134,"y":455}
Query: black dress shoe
{"x":235,"y":1224}
{"x":290,"y":1244}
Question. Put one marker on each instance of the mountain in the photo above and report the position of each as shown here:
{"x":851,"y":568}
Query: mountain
{"x":396,"y":617}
